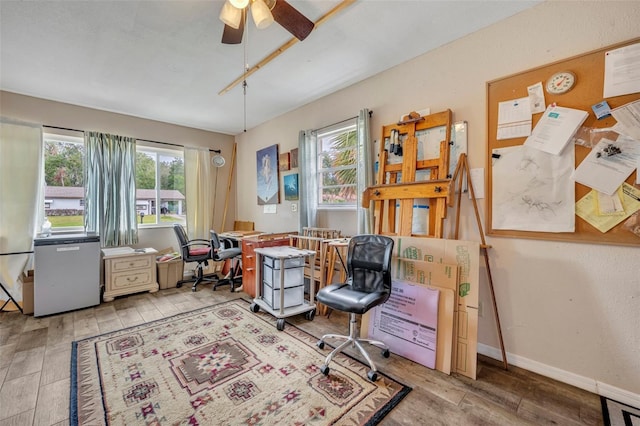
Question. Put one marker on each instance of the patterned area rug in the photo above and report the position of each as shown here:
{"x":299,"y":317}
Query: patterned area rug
{"x":618,"y":414}
{"x":221,"y":365}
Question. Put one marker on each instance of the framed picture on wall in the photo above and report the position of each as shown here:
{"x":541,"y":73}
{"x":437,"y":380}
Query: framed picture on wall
{"x":268,"y":184}
{"x":291,"y":187}
{"x":294,"y":158}
{"x":283,"y":162}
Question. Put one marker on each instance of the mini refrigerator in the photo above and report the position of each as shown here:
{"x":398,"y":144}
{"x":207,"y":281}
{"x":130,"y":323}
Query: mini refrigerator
{"x":67,"y":273}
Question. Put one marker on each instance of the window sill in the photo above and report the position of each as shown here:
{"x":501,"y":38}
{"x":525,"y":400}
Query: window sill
{"x":337,"y":208}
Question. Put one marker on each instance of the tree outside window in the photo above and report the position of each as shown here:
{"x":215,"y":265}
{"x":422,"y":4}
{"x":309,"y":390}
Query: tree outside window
{"x":337,"y":167}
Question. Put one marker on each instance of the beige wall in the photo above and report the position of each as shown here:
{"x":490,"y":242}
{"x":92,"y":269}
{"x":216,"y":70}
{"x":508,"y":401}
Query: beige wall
{"x":569,"y":311}
{"x":50,"y":113}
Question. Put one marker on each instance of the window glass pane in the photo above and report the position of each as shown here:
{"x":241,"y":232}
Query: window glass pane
{"x":160,"y":186}
{"x":337,"y":162}
{"x":146,"y":186}
{"x":172,"y":189}
{"x":64,"y":181}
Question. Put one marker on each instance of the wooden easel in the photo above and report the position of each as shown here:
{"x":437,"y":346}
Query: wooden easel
{"x":439,"y":189}
{"x":461,"y":175}
{"x":388,"y":190}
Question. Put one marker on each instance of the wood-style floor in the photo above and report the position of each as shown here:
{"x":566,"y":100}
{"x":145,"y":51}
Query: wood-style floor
{"x":35,"y":363}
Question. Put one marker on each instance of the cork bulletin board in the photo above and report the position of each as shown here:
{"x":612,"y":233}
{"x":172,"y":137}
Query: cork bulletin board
{"x":588,"y":91}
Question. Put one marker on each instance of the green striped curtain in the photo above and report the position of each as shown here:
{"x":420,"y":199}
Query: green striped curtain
{"x":110,"y":188}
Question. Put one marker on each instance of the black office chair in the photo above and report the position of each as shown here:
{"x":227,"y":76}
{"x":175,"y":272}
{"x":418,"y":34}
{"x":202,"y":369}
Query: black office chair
{"x":196,"y":250}
{"x":368,"y":285}
{"x":223,"y":249}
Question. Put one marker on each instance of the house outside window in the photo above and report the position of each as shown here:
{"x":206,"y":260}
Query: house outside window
{"x":337,"y":166}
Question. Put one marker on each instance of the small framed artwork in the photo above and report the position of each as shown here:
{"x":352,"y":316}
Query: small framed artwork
{"x":283,"y":162}
{"x":294,"y":158}
{"x":291,"y":187}
{"x":268,"y":187}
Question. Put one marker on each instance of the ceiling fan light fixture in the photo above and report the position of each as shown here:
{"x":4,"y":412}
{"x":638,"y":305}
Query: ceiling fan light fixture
{"x":240,"y":4}
{"x":231,"y":15}
{"x":261,"y":14}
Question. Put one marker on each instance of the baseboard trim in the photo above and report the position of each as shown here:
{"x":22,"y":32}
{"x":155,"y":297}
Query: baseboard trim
{"x":582,"y":382}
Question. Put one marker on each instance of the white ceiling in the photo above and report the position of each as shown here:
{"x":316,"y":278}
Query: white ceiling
{"x":163,"y":60}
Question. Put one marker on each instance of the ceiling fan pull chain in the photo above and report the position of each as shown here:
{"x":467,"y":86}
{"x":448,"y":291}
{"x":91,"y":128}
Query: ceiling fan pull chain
{"x":244,"y":81}
{"x":244,"y":96}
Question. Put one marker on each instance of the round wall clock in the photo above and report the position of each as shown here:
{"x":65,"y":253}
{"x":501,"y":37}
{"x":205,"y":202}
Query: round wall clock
{"x":561,"y":82}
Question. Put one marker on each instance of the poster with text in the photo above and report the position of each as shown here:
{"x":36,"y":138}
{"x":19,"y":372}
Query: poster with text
{"x":408,"y":322}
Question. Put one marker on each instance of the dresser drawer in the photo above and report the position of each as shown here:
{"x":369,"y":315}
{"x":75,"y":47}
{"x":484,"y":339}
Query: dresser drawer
{"x":133,"y":262}
{"x":130,"y":279}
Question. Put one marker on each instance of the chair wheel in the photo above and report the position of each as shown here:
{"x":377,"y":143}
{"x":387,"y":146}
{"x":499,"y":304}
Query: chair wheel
{"x":193,"y":289}
{"x":310,"y":315}
{"x":280,"y":324}
{"x":324,"y":370}
{"x":254,"y":307}
{"x":178,"y":285}
{"x":372,"y":375}
{"x":320,"y":344}
{"x":385,"y":353}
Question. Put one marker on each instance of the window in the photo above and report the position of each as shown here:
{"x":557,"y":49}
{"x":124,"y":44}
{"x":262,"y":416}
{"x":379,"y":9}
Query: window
{"x":160,"y":185}
{"x":337,"y":166}
{"x":64,"y":180}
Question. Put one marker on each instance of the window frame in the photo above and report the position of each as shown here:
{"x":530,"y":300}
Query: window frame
{"x":346,"y":126}
{"x":158,"y":150}
{"x":63,"y":136}
{"x":52,"y":134}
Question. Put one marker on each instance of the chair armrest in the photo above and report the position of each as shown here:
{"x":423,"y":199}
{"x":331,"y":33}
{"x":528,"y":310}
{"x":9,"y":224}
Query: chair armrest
{"x":197,"y":242}
{"x":227,"y":242}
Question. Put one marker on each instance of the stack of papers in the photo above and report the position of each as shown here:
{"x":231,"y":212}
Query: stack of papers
{"x":609,"y":164}
{"x":587,"y":208}
{"x":555,"y":129}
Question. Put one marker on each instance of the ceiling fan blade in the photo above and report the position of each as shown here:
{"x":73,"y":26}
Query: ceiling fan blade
{"x":292,"y":20}
{"x":232,"y":36}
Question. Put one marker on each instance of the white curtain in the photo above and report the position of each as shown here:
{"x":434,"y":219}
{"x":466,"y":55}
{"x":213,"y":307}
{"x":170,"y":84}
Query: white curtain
{"x":365,"y":171}
{"x":308,"y":146}
{"x":21,"y":197}
{"x":198,"y":182}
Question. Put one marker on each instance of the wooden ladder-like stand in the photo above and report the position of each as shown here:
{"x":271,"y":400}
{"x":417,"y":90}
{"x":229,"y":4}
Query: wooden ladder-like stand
{"x":396,"y":184}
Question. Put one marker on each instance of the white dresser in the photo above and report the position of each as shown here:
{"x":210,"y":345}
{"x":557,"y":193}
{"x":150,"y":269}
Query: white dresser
{"x":128,"y":271}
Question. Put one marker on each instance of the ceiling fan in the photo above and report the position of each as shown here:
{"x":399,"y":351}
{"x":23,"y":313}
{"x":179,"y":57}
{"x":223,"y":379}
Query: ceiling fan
{"x":264,"y":12}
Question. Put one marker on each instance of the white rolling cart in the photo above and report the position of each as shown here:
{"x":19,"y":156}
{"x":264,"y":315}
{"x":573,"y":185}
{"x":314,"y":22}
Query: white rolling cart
{"x":280,"y":283}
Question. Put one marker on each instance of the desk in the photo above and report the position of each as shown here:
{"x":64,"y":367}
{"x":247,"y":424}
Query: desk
{"x":249,"y":244}
{"x":236,"y":237}
{"x":239,"y":235}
